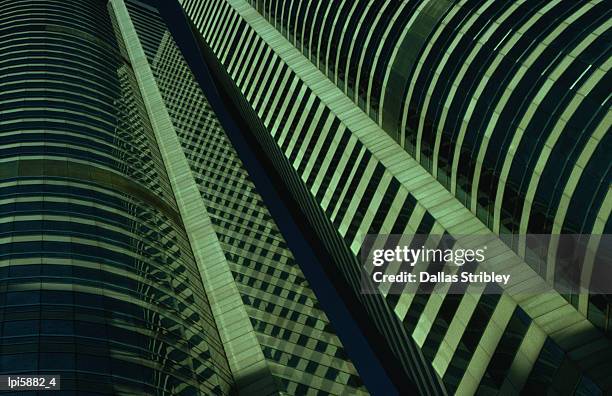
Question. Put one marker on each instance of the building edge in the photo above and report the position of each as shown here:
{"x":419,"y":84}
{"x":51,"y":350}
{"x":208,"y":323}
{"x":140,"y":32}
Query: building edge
{"x":247,"y":363}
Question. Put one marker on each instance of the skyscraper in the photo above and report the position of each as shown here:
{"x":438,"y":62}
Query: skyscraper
{"x":99,"y":283}
{"x":136,"y":256}
{"x":299,"y":347}
{"x":453,"y":118}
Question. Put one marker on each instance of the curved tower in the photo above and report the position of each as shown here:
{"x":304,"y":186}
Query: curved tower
{"x":97,"y":279}
{"x":487,"y":118}
{"x":506,"y":104}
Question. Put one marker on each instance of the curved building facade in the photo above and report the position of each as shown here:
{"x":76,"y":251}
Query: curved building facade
{"x":98,"y":282}
{"x":505,"y":103}
{"x":338,"y":97}
{"x":488,"y":97}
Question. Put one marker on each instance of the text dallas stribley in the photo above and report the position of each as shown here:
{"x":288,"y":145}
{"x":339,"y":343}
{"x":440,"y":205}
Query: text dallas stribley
{"x":440,"y":277}
{"x":411,"y":256}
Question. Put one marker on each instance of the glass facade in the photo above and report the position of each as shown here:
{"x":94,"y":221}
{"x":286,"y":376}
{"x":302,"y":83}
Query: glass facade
{"x":380,"y":117}
{"x":297,"y":71}
{"x":97,"y":280}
